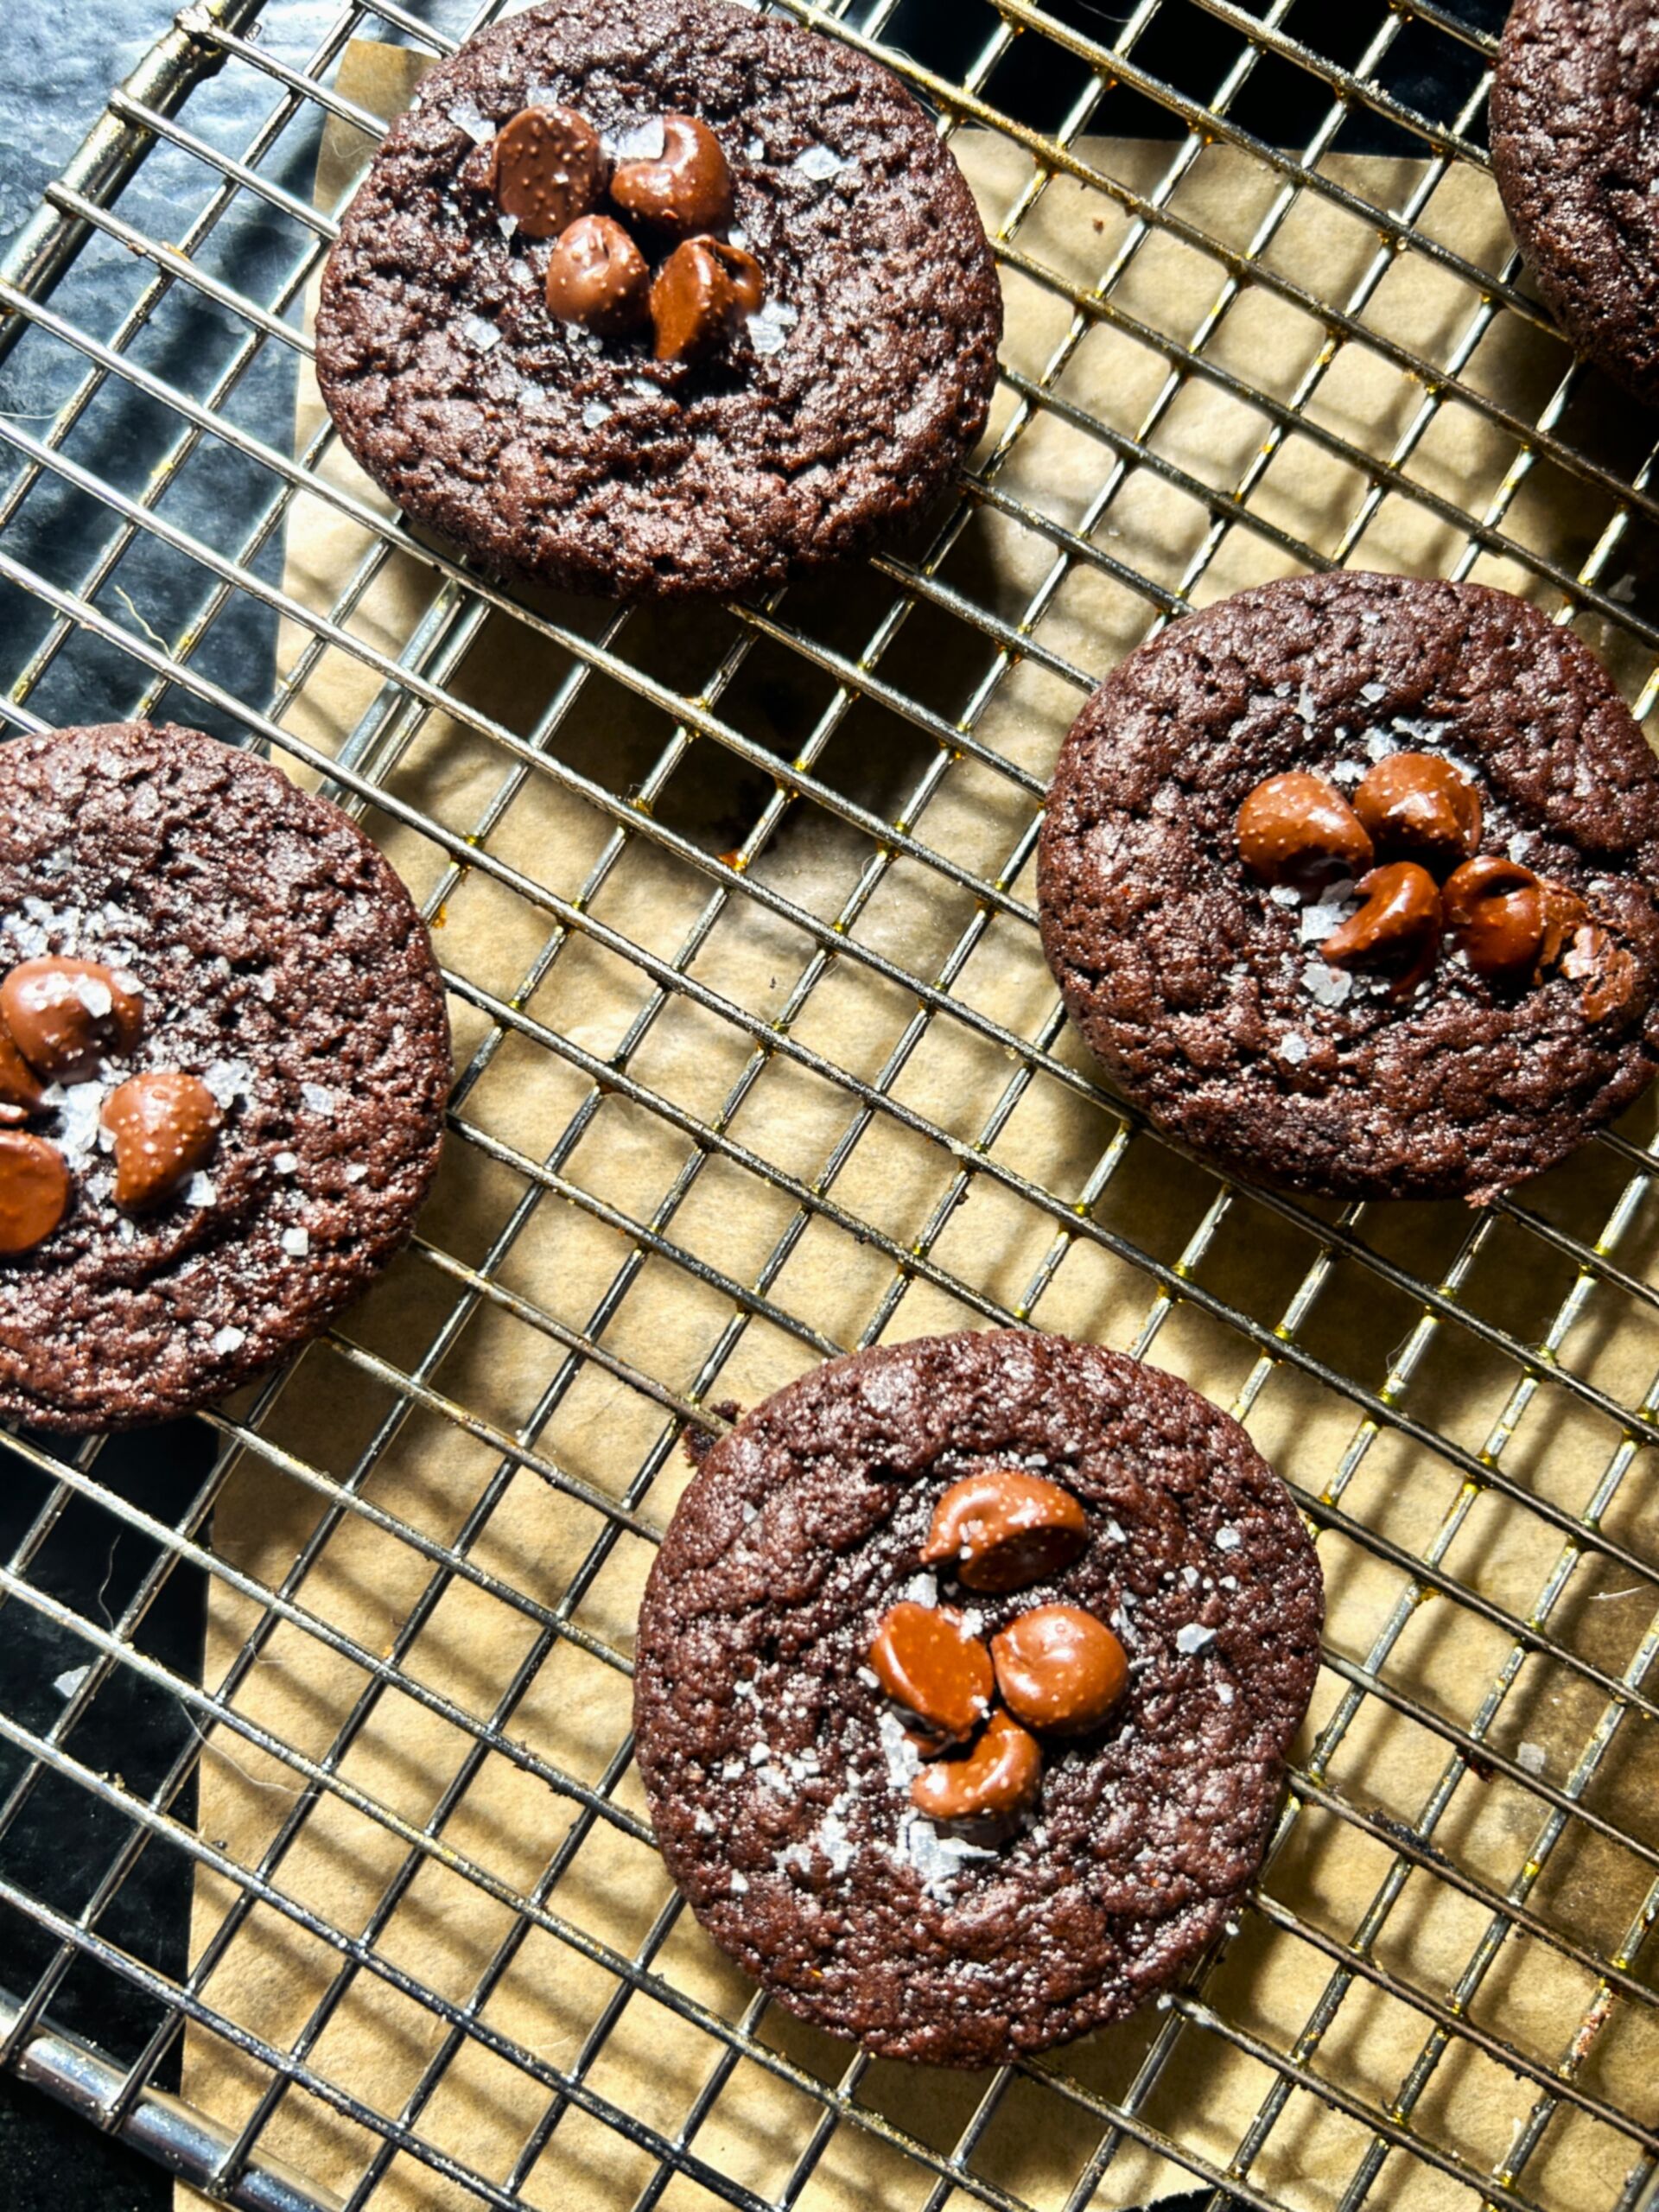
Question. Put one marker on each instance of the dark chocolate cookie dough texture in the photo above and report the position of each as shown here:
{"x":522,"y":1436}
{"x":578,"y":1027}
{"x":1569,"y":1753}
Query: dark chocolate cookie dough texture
{"x":1573,"y":153}
{"x":1349,"y":880}
{"x":964,"y":1682}
{"x":654,"y":297}
{"x":224,"y":1057}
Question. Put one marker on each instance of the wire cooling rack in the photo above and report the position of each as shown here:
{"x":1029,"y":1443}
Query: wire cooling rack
{"x":1467,"y":1403}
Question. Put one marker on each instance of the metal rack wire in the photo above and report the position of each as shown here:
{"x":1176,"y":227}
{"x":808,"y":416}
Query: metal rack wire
{"x":95,"y":296}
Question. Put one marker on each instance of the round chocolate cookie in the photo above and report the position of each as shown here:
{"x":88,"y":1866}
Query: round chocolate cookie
{"x":1572,"y":150}
{"x":1067,"y":1866}
{"x":1456,"y":1019}
{"x":223,"y":1058}
{"x":594,"y":183}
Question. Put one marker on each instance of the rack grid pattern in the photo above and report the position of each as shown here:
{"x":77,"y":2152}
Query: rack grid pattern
{"x":895,"y":719}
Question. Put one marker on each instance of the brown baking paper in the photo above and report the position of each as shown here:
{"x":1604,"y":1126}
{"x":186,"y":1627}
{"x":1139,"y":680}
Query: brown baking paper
{"x":590,"y":1266}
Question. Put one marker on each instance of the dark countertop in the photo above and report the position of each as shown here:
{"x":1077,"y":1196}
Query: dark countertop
{"x":53,"y":87}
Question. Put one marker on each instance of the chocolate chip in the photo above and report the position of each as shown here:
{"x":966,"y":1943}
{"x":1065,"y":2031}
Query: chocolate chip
{"x":597,"y":276}
{"x":64,"y":1015}
{"x":1060,"y":1668}
{"x":165,"y":1126}
{"x":996,"y":1777}
{"x":1003,"y":1530}
{"x":1417,"y":806}
{"x":1605,"y":968}
{"x":1400,"y":925}
{"x":546,"y":168}
{"x":686,"y":190}
{"x":1564,"y":914}
{"x":33,"y":1191}
{"x":928,"y":1661}
{"x":1299,"y":829}
{"x":748,"y":278}
{"x":694,"y":302}
{"x":1495,"y":915}
{"x":20,"y":1087}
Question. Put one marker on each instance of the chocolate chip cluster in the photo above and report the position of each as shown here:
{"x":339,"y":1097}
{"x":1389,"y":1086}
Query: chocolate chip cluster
{"x":1056,"y":1668}
{"x":1421,"y":818}
{"x":59,"y":1019}
{"x":549,"y":173}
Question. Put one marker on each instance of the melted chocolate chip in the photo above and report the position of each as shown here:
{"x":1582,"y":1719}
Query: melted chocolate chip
{"x":597,"y":277}
{"x":1000,"y":1774}
{"x":1399,"y":926}
{"x":1299,"y":829}
{"x":546,"y":168}
{"x":20,"y":1087}
{"x":33,"y":1191}
{"x":1495,"y":915}
{"x":1059,"y":1669}
{"x":165,"y":1126}
{"x":1417,"y":807}
{"x":1003,"y":1530}
{"x":686,"y":190}
{"x":65,"y":1015}
{"x":695,"y":305}
{"x":928,"y":1661}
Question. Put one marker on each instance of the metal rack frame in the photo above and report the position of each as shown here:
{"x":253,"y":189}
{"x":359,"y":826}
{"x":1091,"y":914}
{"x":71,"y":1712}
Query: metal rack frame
{"x":233,"y":2164}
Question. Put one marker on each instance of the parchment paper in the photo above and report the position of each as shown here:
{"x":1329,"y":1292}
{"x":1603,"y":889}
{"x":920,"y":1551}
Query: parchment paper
{"x":431,"y":1475}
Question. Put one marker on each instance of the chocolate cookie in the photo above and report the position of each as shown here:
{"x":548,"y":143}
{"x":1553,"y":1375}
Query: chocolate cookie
{"x":649,"y":297}
{"x":224,"y":1057}
{"x":1359,"y":1010}
{"x":1573,"y":102}
{"x":892,"y":1760}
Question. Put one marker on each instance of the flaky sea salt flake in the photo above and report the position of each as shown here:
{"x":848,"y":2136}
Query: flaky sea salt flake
{"x":1328,"y":912}
{"x":819,"y":163}
{"x":228,"y":1080}
{"x":1192,"y":1639}
{"x":938,"y":1858}
{"x":466,"y":117}
{"x":769,"y":330}
{"x":641,"y":142}
{"x":1327,"y":987}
